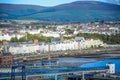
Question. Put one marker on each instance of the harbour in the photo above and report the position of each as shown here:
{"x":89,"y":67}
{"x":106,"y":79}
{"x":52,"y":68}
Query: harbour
{"x":59,"y":40}
{"x":88,"y":68}
{"x":71,"y":64}
{"x":67,"y":65}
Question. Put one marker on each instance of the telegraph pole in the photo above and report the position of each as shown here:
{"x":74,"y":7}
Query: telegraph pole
{"x":49,"y":57}
{"x":83,"y":77}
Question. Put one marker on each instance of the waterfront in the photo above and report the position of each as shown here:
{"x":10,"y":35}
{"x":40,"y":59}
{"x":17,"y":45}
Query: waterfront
{"x":76,"y":40}
{"x":74,"y":62}
{"x":70,"y":63}
{"x":98,"y":59}
{"x":104,"y":63}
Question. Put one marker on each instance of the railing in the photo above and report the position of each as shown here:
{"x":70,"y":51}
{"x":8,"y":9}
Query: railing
{"x":62,"y":70}
{"x":50,"y":71}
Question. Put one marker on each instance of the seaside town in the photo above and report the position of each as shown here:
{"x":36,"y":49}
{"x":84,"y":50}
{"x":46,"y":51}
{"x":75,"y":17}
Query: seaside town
{"x":23,"y":38}
{"x":23,"y":42}
{"x":59,"y":39}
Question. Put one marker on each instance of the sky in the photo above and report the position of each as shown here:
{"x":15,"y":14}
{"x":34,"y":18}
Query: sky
{"x":51,"y":2}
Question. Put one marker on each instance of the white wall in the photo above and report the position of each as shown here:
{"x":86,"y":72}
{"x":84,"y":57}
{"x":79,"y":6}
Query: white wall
{"x":111,"y":68}
{"x":91,"y":42}
{"x":61,"y":46}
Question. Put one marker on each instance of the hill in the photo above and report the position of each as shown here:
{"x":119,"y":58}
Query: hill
{"x":79,"y":11}
{"x":8,"y":11}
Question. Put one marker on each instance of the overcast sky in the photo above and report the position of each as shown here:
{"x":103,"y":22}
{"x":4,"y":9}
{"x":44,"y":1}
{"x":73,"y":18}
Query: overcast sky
{"x":51,"y":2}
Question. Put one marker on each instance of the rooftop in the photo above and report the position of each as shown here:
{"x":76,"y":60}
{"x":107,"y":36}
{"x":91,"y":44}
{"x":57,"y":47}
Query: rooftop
{"x":79,"y":38}
{"x":6,"y":54}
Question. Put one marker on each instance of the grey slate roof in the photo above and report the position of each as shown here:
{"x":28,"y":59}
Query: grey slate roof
{"x":6,"y":54}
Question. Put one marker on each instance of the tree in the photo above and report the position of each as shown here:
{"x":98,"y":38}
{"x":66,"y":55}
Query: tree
{"x":109,"y":39}
{"x":14,"y":39}
{"x":69,"y":31}
{"x":22,"y":39}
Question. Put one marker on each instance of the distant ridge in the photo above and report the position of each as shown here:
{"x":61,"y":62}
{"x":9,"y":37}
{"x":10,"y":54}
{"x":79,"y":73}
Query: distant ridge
{"x":8,"y":11}
{"x":116,"y":2}
{"x":79,"y":11}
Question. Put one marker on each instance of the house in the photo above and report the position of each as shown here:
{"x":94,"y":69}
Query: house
{"x":6,"y":59}
{"x":91,"y":43}
{"x":79,"y":39}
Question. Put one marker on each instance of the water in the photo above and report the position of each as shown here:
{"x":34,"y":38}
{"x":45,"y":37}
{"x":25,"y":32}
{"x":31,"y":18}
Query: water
{"x":74,"y":62}
{"x":87,"y":63}
{"x":90,"y":63}
{"x":77,"y":62}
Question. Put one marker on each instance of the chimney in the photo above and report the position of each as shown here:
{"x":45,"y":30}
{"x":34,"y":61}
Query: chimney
{"x":5,"y":43}
{"x":35,"y":41}
{"x":5,"y":46}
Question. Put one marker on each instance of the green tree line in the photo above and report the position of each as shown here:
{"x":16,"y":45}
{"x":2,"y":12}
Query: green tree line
{"x":109,"y":39}
{"x":30,"y":37}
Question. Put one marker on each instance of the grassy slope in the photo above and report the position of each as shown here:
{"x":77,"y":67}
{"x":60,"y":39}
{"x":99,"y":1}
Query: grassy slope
{"x":75,"y":15}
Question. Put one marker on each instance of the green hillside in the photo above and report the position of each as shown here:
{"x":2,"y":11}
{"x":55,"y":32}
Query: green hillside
{"x":79,"y":11}
{"x":75,"y":16}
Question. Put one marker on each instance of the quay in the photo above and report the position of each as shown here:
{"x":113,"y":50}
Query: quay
{"x":26,"y":73}
{"x":70,"y":53}
{"x":56,"y":72}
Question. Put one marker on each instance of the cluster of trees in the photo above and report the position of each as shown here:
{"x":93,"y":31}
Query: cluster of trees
{"x":109,"y":39}
{"x":69,"y":31}
{"x":30,"y":37}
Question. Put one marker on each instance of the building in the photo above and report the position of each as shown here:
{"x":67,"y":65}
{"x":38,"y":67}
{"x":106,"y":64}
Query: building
{"x":111,"y":68}
{"x":91,"y":43}
{"x":24,"y":48}
{"x":46,"y":47}
{"x":6,"y":59}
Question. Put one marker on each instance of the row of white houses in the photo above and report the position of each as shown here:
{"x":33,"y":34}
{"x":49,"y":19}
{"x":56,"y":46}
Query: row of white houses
{"x":54,"y":46}
{"x":41,"y":48}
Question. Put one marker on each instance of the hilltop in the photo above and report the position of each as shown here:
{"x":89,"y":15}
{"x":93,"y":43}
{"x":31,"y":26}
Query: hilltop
{"x":79,"y":11}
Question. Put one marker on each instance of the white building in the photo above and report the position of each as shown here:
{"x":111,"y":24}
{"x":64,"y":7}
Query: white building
{"x":77,"y":44}
{"x":92,"y":43}
{"x":76,"y":32}
{"x":45,"y":47}
{"x":32,"y":31}
{"x":24,"y":48}
{"x":111,"y":68}
{"x":51,"y":34}
{"x":9,"y":36}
